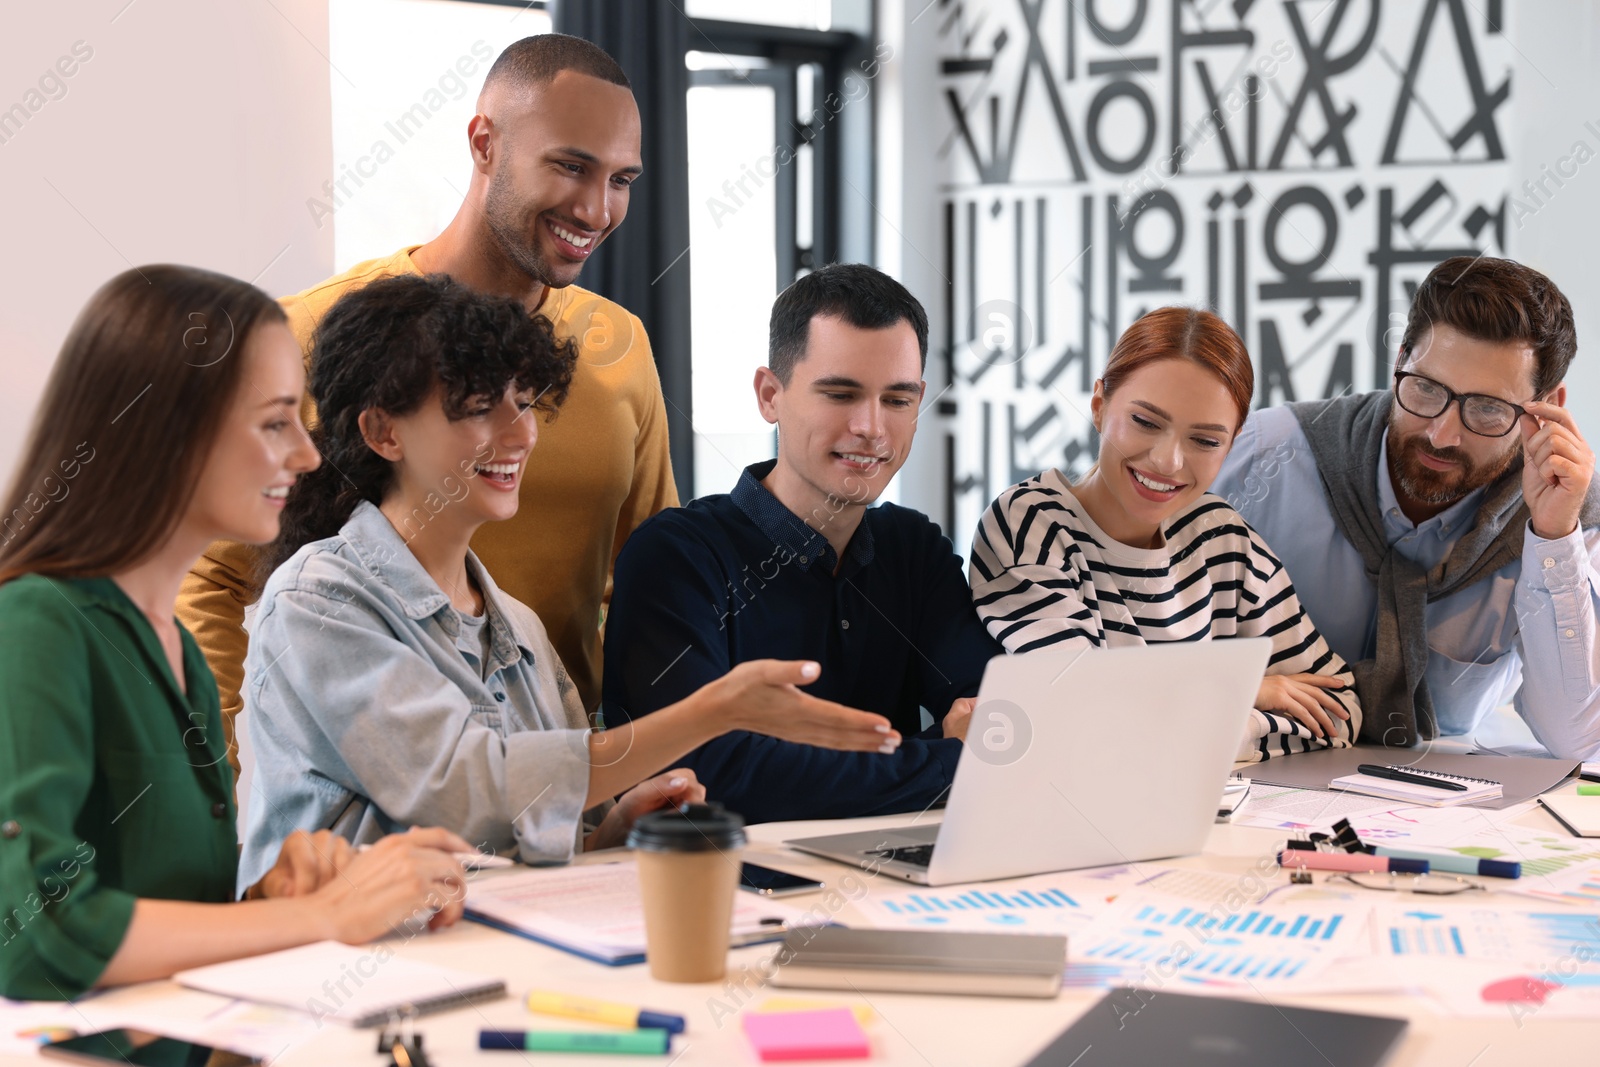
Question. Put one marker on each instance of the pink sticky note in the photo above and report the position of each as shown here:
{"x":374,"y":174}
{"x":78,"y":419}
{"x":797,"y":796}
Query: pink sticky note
{"x":832,"y":1034}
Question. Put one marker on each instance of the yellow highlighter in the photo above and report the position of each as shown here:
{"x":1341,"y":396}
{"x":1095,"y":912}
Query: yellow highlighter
{"x":603,"y":1011}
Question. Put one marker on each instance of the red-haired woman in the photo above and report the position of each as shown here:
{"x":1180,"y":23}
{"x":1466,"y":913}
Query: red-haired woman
{"x":1137,"y":551}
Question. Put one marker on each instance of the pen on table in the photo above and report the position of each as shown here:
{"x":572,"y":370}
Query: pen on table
{"x":472,"y":861}
{"x":643,"y":1042}
{"x":1395,"y":775}
{"x":1587,"y":790}
{"x":1352,"y":862}
{"x":1440,"y":861}
{"x":603,"y":1011}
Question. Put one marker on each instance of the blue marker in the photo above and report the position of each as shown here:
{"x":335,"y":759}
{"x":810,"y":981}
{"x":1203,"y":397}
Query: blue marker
{"x":1445,"y":861}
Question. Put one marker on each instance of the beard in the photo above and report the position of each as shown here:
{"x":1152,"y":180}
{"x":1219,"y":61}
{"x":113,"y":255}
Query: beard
{"x":1428,"y":486}
{"x":511,"y":232}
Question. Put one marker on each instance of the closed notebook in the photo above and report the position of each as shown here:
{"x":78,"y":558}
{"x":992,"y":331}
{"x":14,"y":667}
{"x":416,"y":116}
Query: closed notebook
{"x":1580,"y":815}
{"x":349,"y":984}
{"x":923,"y":961}
{"x":1477,"y":789}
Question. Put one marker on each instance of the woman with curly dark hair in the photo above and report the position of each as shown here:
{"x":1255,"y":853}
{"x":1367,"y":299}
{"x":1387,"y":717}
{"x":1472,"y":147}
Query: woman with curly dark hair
{"x":390,"y":682}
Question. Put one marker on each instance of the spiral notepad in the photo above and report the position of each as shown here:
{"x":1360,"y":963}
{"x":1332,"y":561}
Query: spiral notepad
{"x":353,"y":985}
{"x":1478,"y":789}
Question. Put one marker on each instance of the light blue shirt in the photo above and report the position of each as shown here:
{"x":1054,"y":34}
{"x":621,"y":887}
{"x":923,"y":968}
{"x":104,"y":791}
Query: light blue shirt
{"x":1526,"y":632}
{"x":370,"y":710}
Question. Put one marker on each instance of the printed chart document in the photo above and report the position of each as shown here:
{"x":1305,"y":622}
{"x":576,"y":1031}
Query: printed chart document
{"x":593,"y":911}
{"x":1506,"y":991}
{"x":1040,"y":905}
{"x":1536,"y":939}
{"x":1221,"y":949}
{"x":258,"y":1030}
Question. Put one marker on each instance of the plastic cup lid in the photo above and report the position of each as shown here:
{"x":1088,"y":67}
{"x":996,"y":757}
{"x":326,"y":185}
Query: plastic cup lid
{"x":689,"y":828}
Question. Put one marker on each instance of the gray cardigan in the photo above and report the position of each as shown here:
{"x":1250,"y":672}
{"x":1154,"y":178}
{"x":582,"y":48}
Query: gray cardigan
{"x":368,"y":713}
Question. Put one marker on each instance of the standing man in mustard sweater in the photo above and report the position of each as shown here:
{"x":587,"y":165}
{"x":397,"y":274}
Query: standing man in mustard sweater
{"x":555,"y":147}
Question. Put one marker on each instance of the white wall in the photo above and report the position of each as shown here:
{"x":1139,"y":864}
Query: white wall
{"x":1556,"y":95}
{"x":193,"y":133}
{"x":908,"y":177}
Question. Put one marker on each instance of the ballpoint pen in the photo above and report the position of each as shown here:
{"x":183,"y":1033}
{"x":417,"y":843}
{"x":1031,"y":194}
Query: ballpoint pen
{"x":1396,"y":775}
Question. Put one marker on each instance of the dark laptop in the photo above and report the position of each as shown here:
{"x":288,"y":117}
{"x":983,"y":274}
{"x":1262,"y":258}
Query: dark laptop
{"x":1144,"y":1027}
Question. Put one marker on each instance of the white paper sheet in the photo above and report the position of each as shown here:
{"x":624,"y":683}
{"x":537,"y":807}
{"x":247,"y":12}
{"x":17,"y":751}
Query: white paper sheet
{"x":594,"y":909}
{"x":161,"y":1008}
{"x":1297,"y":810}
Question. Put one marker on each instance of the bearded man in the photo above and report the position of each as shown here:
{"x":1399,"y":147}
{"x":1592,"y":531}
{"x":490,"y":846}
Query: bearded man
{"x":1444,"y":534}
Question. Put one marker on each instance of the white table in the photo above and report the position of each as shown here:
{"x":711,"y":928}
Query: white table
{"x":926,"y":1031}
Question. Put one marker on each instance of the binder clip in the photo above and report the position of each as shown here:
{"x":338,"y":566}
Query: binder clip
{"x":1313,"y":842}
{"x":1345,"y":837}
{"x":400,"y":1041}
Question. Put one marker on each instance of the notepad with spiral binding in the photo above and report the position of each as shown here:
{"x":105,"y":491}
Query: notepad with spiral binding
{"x":1477,"y":789}
{"x":350,"y":984}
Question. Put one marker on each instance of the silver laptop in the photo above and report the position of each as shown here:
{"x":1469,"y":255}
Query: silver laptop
{"x":1079,"y":759}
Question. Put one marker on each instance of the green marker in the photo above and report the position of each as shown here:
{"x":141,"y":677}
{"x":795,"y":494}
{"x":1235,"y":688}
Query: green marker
{"x":1588,"y":789}
{"x":647,"y":1042}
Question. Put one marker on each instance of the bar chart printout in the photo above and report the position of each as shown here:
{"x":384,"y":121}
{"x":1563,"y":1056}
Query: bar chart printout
{"x":978,"y":900}
{"x":1251,"y":921}
{"x":1576,"y":885}
{"x":1037,"y":907}
{"x":1489,"y":934}
{"x":1200,"y":946}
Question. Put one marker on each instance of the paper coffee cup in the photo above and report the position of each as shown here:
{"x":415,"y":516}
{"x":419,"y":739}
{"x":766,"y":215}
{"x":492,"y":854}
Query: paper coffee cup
{"x":688,"y":872}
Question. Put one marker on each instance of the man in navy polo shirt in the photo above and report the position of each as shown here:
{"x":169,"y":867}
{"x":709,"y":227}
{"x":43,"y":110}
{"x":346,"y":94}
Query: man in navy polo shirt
{"x":795,"y":563}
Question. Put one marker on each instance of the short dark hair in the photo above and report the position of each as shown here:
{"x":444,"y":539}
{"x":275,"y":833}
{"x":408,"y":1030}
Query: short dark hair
{"x":537,"y":60}
{"x":1499,"y":301}
{"x":865,"y":298}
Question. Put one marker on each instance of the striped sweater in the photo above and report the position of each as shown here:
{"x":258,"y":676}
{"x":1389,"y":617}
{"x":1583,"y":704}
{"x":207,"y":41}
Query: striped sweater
{"x":1044,"y":575}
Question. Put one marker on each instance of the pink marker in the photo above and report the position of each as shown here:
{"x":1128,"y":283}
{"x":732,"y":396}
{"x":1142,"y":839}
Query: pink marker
{"x":1353,"y":862}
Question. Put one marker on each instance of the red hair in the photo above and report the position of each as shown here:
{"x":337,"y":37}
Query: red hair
{"x":1184,"y":333}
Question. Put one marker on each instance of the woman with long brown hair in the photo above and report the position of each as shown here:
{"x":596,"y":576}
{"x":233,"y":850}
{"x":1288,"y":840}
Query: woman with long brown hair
{"x":170,"y":420}
{"x":1137,"y":551}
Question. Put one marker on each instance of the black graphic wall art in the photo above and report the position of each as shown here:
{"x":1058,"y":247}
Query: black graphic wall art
{"x":1297,"y":166}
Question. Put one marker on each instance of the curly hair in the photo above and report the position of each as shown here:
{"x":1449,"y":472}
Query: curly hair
{"x":388,"y":346}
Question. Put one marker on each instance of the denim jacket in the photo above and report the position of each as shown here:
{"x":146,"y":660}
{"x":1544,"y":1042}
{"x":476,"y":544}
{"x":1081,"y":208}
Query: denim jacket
{"x":368,"y":713}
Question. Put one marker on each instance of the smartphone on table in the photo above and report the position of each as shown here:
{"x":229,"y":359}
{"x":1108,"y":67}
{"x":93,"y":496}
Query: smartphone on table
{"x":143,"y":1049}
{"x":770,"y":883}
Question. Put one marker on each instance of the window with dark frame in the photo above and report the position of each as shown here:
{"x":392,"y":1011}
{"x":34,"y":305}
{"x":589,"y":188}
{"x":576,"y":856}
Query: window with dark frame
{"x":813,"y":178}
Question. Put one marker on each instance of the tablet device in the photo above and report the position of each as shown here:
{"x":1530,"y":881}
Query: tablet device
{"x":1141,"y":1027}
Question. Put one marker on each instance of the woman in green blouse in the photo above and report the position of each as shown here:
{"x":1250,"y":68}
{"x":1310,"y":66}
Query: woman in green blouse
{"x":171,"y":420}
